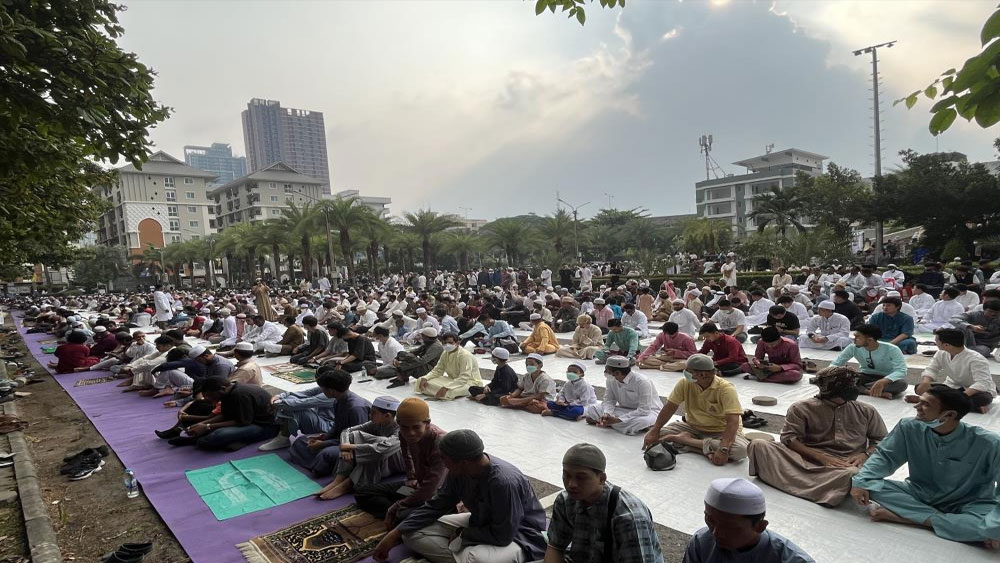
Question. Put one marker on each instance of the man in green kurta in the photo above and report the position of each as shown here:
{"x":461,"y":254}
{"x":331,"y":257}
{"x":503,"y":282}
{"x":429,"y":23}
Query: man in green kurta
{"x":620,"y":341}
{"x":953,"y":467}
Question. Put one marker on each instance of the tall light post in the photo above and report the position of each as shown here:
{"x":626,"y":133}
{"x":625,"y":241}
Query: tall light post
{"x":610,"y":197}
{"x":576,"y":236}
{"x":873,"y":49}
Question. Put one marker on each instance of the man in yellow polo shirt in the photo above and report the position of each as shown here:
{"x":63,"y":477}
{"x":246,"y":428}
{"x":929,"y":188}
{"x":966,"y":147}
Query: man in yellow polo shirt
{"x":712,"y":421}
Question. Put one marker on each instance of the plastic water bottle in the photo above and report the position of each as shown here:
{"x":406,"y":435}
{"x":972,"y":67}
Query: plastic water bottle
{"x":131,"y":484}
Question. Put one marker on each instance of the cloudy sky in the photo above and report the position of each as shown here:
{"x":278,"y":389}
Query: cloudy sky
{"x":483,"y":109}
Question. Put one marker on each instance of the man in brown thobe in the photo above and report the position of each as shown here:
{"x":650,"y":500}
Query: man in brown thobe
{"x":825,"y":441}
{"x":262,"y":299}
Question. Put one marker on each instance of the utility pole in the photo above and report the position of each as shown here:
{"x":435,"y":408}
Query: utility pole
{"x":576,"y":236}
{"x":705,"y":147}
{"x":610,"y":197}
{"x":879,"y":226}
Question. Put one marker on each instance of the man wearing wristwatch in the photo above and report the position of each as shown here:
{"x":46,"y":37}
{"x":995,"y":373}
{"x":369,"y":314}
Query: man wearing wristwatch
{"x":712,"y":423}
{"x":826,"y":439}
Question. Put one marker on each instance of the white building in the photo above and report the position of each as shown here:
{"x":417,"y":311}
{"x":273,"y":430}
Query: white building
{"x":263,"y":195}
{"x":731,"y":198}
{"x":378,"y":205}
{"x":166,"y":201}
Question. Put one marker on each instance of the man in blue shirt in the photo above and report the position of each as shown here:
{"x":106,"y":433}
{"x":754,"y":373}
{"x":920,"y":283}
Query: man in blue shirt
{"x":896,"y":326}
{"x":737,"y":531}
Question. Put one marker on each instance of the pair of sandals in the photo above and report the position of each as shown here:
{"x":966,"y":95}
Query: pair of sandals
{"x":751,"y":420}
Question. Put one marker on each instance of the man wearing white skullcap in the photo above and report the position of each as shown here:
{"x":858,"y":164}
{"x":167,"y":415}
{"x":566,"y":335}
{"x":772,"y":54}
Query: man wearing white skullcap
{"x":736,"y":531}
{"x":826,"y":330}
{"x":905,"y":308}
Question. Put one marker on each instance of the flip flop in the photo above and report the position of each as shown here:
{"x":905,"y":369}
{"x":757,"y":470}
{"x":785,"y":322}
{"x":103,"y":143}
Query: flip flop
{"x":810,"y":366}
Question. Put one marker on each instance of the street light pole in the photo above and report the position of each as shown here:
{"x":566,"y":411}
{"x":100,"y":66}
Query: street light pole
{"x":873,"y":49}
{"x":576,"y":236}
{"x":329,"y":239}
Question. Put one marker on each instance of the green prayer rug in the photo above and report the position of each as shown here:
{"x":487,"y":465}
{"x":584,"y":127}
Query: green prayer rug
{"x":300,"y":376}
{"x":240,"y":487}
{"x":48,"y":349}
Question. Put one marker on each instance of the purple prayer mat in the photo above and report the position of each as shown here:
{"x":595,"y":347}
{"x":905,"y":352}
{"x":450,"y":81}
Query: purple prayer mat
{"x":126,"y":421}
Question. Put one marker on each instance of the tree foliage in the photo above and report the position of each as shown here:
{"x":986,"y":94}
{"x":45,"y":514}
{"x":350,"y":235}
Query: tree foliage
{"x":780,"y":208}
{"x":573,"y":8}
{"x":835,"y":200}
{"x":706,"y":236}
{"x":973,"y":91}
{"x":99,"y":265}
{"x":71,"y":97}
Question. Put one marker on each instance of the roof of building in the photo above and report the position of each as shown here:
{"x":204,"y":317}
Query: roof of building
{"x":777,"y":156}
{"x":277,"y":172}
{"x":161,"y":163}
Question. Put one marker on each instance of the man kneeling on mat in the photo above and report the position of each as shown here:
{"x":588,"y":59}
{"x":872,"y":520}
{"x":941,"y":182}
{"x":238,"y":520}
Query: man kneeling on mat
{"x":245,"y":416}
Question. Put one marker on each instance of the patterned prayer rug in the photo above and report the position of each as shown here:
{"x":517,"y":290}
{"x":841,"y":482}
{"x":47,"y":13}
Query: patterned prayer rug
{"x":275,"y":369}
{"x":342,"y":536}
{"x":94,"y":380}
{"x":300,"y":376}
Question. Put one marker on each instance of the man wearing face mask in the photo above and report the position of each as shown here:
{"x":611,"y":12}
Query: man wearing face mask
{"x":456,"y":371}
{"x":824,"y":442}
{"x":953,"y":468}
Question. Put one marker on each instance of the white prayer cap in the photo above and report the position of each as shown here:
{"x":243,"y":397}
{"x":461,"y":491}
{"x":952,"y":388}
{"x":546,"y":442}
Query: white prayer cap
{"x":617,"y":362}
{"x":892,"y":294}
{"x":241,"y":316}
{"x":679,"y":301}
{"x":692,"y":284}
{"x":224,"y":311}
{"x":892,"y":265}
{"x":429,"y":332}
{"x":598,"y":301}
{"x":539,"y":302}
{"x":205,"y":310}
{"x":500,"y":353}
{"x":244,"y":346}
{"x":828,"y":305}
{"x":397,"y":313}
{"x":793,"y":288}
{"x":421,"y":310}
{"x":461,"y":305}
{"x":536,"y":357}
{"x":734,"y":495}
{"x":579,"y":364}
{"x":196,"y":351}
{"x":100,"y":328}
{"x":386,"y":403}
{"x":535,"y":317}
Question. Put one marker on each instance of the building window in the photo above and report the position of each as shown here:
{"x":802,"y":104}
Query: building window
{"x":175,"y":238}
{"x":192,"y":209}
{"x":288,"y":188}
{"x":192,"y":223}
{"x":275,"y":212}
{"x":175,"y":225}
{"x":189,"y":181}
{"x":271,"y":185}
{"x":720,"y":193}
{"x":172,"y":210}
{"x":274,"y":199}
{"x":189,"y":195}
{"x":168,"y":182}
{"x":171,"y":195}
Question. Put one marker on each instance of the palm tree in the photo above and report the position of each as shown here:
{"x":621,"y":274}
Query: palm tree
{"x":346,"y":215}
{"x":175,"y":254}
{"x":274,"y":235}
{"x":238,"y":244}
{"x":508,"y":234}
{"x":377,"y":232}
{"x":403,"y":242}
{"x":461,"y":243}
{"x":152,"y":261}
{"x":425,"y":223}
{"x":207,"y":251}
{"x":300,"y":221}
{"x":557,"y":228}
{"x":780,"y":207}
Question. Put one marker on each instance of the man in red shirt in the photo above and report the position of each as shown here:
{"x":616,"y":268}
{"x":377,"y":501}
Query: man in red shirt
{"x":727,"y":354}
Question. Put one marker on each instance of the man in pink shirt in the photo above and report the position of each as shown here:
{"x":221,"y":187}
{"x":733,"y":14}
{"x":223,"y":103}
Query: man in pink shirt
{"x":668,"y":351}
{"x":776,"y":359}
{"x":602,"y":314}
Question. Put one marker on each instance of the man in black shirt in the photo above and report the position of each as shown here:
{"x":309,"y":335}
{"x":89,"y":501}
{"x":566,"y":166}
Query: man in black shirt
{"x":843,"y":305}
{"x":786,"y":323}
{"x":246,"y":416}
{"x":359,"y":349}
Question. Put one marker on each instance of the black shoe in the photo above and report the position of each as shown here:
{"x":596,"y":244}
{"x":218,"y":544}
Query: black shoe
{"x":183,"y":441}
{"x":169,"y":434}
{"x":76,"y":462}
{"x":86,"y":469}
{"x":396,"y":383}
{"x":128,"y":553}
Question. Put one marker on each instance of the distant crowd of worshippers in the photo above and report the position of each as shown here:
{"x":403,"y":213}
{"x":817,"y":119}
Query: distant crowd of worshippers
{"x":832,"y":446}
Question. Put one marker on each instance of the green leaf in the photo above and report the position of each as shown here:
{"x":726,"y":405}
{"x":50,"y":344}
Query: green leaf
{"x":942,"y":120}
{"x":988,"y":111}
{"x":946,"y":83}
{"x":580,"y":16}
{"x":911,"y":100}
{"x":966,"y":107}
{"x":948,"y":72}
{"x":991,"y":29}
{"x":539,"y":7}
{"x":944,"y":103}
{"x":931,"y":92}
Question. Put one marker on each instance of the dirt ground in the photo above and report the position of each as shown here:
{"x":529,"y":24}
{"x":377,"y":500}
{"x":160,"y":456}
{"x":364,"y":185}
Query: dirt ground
{"x":93,"y":516}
